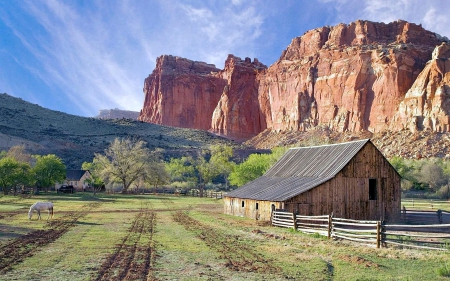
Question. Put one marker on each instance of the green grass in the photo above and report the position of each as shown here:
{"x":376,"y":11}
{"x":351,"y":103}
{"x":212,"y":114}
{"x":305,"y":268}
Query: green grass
{"x":183,"y":254}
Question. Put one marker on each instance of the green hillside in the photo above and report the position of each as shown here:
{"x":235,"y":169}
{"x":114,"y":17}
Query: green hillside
{"x":75,"y":138}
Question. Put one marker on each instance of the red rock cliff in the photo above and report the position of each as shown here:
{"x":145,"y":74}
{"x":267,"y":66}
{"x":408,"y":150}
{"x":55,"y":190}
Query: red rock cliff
{"x":181,"y":93}
{"x":238,"y":114}
{"x":349,"y":78}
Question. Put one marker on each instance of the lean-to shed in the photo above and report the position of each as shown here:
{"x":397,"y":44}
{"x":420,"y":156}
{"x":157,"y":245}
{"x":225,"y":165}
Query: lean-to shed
{"x":351,"y":180}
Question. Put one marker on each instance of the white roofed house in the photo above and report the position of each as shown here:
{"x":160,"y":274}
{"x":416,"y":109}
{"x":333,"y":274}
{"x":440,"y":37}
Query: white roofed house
{"x":351,"y":180}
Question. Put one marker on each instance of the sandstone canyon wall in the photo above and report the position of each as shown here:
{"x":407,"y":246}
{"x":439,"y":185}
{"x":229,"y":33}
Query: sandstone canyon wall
{"x":181,"y":93}
{"x":355,"y":77}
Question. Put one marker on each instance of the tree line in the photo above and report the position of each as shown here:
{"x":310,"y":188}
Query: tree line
{"x":132,"y":165}
{"x":19,"y":169}
{"x":428,"y":176}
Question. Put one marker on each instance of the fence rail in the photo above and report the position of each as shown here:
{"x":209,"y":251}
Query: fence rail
{"x":371,"y":233}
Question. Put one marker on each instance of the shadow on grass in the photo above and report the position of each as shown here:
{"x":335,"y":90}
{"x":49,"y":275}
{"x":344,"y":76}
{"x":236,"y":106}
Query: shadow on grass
{"x":88,"y":223}
{"x":11,"y":232}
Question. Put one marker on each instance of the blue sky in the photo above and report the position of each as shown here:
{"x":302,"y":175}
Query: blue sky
{"x":81,"y":56}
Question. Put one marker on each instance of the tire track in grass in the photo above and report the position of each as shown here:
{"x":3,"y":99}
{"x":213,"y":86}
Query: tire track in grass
{"x":239,"y":256}
{"x":131,"y":261}
{"x":26,"y":246}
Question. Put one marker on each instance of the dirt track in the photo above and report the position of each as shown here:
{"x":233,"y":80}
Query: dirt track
{"x":132,"y":260}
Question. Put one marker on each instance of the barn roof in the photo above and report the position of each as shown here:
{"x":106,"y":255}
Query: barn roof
{"x":75,"y":175}
{"x":299,"y":170}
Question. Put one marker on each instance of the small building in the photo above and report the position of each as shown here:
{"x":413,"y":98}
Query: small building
{"x":76,"y":178}
{"x":350,"y":180}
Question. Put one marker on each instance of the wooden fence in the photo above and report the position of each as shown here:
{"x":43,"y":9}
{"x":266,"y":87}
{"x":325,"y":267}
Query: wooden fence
{"x":370,"y":233}
{"x":432,"y":205}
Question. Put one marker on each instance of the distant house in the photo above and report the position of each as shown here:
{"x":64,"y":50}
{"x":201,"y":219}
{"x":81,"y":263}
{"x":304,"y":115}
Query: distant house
{"x":76,"y":178}
{"x":351,"y":180}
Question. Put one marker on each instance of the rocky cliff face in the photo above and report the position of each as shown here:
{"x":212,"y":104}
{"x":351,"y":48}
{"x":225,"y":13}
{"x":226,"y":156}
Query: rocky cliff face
{"x":181,"y":93}
{"x":348,"y":78}
{"x":426,"y":105}
{"x":238,"y":112}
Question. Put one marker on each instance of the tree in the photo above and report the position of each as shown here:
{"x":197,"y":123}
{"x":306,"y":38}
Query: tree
{"x":156,"y":174}
{"x":220,"y":159}
{"x":14,"y":174}
{"x":49,"y":169}
{"x":19,"y":153}
{"x":96,"y":181}
{"x":124,"y":161}
{"x":181,"y":169}
{"x":433,"y":175}
{"x":254,"y":167}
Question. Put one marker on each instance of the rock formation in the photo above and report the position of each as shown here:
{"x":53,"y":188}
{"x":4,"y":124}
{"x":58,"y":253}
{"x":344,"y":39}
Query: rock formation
{"x":348,"y":78}
{"x":237,"y":114}
{"x":181,"y":93}
{"x":117,"y":114}
{"x":426,"y":105}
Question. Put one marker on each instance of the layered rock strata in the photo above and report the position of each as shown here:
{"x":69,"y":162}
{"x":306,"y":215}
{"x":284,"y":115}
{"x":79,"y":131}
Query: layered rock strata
{"x":426,"y":105}
{"x":181,"y":93}
{"x":354,"y":77}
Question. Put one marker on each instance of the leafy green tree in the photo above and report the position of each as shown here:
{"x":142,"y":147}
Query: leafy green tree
{"x":254,"y":166}
{"x":8,"y":167}
{"x":181,"y":169}
{"x":49,"y":169}
{"x":221,"y":160}
{"x":96,"y":181}
{"x":124,"y":162}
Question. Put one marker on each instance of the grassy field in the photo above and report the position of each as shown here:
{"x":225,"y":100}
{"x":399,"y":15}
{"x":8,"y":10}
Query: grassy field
{"x":125,"y":237}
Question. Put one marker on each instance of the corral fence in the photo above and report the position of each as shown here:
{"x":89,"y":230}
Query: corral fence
{"x":374,"y":233}
{"x":417,"y":204}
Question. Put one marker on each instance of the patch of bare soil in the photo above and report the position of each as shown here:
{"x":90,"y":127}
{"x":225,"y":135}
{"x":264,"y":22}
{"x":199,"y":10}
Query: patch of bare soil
{"x":131,"y":261}
{"x":239,"y":256}
{"x":359,"y":260}
{"x":25,"y":246}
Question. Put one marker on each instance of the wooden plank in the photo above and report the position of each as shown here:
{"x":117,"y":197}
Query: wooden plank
{"x":418,"y":226}
{"x":415,"y":246}
{"x":355,"y":230}
{"x":428,"y":235}
{"x":354,"y":224}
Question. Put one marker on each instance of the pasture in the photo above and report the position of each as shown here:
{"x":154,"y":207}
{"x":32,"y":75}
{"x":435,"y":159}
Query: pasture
{"x":151,"y":237}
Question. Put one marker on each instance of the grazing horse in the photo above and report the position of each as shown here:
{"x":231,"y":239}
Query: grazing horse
{"x":41,"y":206}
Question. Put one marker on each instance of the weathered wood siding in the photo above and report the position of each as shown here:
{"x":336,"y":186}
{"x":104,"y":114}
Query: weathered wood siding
{"x":233,"y":206}
{"x":347,"y":194}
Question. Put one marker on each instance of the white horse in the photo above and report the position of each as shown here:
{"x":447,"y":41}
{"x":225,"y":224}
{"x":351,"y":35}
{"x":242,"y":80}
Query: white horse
{"x":41,"y":206}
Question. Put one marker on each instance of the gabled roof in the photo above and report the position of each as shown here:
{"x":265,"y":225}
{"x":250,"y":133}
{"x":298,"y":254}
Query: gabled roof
{"x":300,"y":169}
{"x":75,"y":175}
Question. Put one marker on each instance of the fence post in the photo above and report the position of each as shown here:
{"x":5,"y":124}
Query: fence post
{"x":439,"y":215}
{"x":378,"y":234}
{"x":329,"y":225}
{"x":294,"y":217}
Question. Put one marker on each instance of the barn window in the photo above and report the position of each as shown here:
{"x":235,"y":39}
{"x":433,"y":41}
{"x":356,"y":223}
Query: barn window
{"x":256,"y":206}
{"x":372,"y":189}
{"x":243,"y":204}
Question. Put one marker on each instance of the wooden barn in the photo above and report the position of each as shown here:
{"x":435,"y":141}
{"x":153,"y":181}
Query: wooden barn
{"x":351,"y":180}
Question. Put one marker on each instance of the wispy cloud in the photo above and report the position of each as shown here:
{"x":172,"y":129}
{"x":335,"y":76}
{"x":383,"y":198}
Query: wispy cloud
{"x":96,"y":54}
{"x":432,"y":14}
{"x":99,"y":55}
